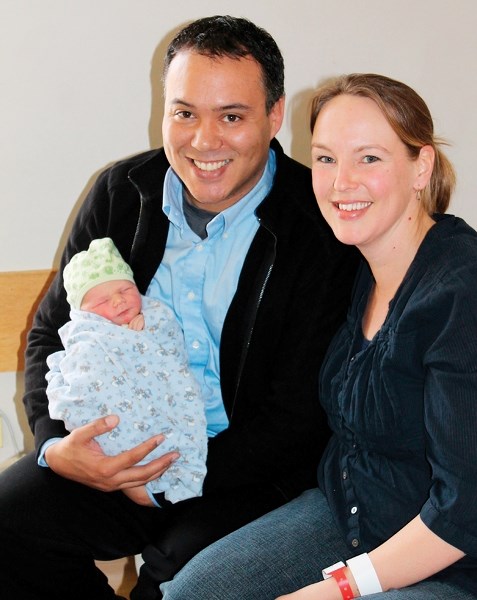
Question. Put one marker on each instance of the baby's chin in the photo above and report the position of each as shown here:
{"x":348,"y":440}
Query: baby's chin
{"x":120,"y":323}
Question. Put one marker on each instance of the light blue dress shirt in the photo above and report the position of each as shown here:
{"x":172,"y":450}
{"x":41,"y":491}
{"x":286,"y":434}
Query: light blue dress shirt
{"x":198,"y":278}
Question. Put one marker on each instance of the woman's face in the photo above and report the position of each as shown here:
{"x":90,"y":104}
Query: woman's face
{"x":363,"y":178}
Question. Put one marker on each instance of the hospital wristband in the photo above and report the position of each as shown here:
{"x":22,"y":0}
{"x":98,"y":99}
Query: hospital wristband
{"x":342,"y":580}
{"x":327,"y":572}
{"x":337,"y":571}
{"x":364,"y":575}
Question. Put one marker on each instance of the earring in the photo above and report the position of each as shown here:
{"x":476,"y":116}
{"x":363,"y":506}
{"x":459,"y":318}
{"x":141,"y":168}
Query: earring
{"x":418,"y":194}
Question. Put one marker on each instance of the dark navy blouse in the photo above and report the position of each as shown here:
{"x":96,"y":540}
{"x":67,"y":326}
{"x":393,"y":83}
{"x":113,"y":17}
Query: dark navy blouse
{"x":403,"y":408}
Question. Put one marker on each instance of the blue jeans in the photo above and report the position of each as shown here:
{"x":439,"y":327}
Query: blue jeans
{"x":278,"y":554}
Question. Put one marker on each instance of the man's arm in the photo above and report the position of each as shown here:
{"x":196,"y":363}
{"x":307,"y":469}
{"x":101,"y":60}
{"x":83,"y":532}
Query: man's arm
{"x":76,"y":456}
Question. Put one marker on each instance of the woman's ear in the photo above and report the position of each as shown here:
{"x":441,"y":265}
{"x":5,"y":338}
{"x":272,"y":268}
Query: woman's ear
{"x":425,"y":166}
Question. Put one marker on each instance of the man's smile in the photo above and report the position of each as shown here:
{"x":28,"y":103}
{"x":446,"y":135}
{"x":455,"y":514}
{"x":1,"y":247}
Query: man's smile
{"x":210,"y":166}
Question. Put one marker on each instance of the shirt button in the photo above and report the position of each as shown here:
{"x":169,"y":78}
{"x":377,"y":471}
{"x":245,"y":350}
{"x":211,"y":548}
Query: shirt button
{"x":354,"y":510}
{"x":195,"y":344}
{"x":191,"y":295}
{"x":355,"y":542}
{"x":200,"y":247}
{"x":225,"y":236}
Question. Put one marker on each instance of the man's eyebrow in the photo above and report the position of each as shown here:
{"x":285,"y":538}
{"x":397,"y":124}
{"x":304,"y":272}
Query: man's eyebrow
{"x":235,"y":106}
{"x":225,"y":107}
{"x":182,"y":102}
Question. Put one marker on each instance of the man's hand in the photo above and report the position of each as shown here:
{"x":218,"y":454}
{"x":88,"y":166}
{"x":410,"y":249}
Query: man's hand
{"x":139,"y":495}
{"x":79,"y":457}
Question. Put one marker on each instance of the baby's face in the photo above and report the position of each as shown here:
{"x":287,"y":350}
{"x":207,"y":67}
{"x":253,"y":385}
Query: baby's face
{"x":119,"y":301}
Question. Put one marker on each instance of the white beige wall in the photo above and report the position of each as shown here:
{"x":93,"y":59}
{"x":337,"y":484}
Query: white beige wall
{"x":79,"y":88}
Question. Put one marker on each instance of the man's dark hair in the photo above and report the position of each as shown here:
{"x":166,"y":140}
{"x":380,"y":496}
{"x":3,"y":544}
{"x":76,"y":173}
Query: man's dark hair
{"x":237,"y":38}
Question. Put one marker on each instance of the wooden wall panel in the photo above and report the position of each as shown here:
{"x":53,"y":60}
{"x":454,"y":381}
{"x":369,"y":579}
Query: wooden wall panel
{"x":20,"y":293}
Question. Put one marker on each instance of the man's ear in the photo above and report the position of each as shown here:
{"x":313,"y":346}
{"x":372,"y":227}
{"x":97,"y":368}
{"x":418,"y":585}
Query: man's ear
{"x":276,"y":116}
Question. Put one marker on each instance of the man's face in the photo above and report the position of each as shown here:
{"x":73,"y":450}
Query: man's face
{"x":216,"y":130}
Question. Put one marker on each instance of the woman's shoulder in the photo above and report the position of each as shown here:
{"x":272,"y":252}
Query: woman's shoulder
{"x":444,"y":272}
{"x":451,"y":243}
{"x":450,"y":229}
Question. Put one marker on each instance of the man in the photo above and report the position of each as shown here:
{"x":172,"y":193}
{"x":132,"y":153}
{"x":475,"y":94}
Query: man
{"x":223,"y":227}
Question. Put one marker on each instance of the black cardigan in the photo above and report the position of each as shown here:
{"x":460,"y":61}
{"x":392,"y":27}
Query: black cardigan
{"x":291,"y":296}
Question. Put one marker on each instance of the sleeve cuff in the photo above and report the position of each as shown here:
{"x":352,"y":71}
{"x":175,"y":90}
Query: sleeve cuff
{"x":41,"y":457}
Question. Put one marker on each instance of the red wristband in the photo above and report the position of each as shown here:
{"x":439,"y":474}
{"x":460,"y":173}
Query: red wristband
{"x":339,"y":576}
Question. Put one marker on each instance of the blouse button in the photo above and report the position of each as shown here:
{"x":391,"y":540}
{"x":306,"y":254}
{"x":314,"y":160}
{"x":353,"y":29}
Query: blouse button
{"x":355,"y":542}
{"x":354,"y":510}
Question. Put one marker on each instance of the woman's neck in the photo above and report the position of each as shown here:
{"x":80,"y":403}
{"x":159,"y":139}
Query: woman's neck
{"x":389,"y":263}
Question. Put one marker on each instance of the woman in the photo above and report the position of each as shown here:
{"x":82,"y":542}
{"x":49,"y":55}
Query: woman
{"x":397,"y":482}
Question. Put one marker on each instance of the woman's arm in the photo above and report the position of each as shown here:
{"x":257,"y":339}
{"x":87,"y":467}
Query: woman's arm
{"x":411,"y":555}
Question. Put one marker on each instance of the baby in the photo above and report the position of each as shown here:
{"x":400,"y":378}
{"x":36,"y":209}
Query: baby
{"x":124,"y":354}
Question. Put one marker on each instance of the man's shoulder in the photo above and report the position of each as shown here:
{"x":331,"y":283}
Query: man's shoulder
{"x":287,"y":163}
{"x":291,"y":198}
{"x":143,"y":165}
{"x":292,"y":178}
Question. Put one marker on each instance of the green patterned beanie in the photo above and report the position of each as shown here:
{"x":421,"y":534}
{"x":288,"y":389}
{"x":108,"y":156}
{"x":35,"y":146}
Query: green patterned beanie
{"x":101,"y":262}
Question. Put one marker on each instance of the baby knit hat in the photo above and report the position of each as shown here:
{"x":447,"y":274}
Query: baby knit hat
{"x":101,"y":262}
